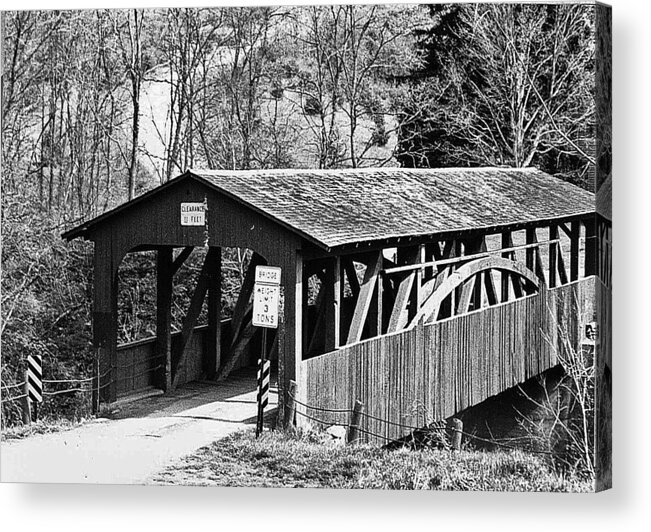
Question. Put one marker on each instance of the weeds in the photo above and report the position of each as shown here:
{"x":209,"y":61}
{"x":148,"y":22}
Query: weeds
{"x":565,"y":425}
{"x":309,"y":459}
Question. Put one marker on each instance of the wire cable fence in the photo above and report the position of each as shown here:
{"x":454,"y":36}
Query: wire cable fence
{"x":439,"y":425}
{"x":96,"y":382}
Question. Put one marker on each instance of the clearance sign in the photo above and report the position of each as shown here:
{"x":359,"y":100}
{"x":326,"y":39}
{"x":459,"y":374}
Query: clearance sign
{"x":266,"y":295}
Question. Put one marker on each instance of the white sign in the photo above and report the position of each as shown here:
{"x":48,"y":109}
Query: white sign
{"x":193,"y":214}
{"x":265,"y":305}
{"x":266,"y":295}
{"x":267,"y":275}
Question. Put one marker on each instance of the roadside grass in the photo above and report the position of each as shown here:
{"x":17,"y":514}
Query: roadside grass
{"x":42,"y":426}
{"x":309,"y":460}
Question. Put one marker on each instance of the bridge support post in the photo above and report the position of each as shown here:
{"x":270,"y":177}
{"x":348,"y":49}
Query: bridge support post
{"x":212,"y":357}
{"x":164,"y":274}
{"x":105,"y":315}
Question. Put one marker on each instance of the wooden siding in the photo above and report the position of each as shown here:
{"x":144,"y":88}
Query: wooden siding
{"x":157,"y":222}
{"x":431,"y":372}
{"x":136,"y":361}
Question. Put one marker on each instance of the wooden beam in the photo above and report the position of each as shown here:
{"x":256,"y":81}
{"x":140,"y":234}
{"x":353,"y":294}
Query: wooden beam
{"x":531,"y":239}
{"x":293,"y":330}
{"x":181,"y":258}
{"x":456,"y":294}
{"x":242,"y":326}
{"x":273,"y":352}
{"x":244,"y":298}
{"x":477,"y":245}
{"x":518,"y":289}
{"x":320,"y":319}
{"x":591,"y":247}
{"x":305,"y":307}
{"x":196,"y":302}
{"x":364,"y":300}
{"x":351,"y":275}
{"x":506,"y":243}
{"x":376,"y":310}
{"x":237,"y":349}
{"x":466,"y":295}
{"x":212,"y":356}
{"x":105,"y":315}
{"x":416,"y":295}
{"x":332,"y":284}
{"x":449,"y":252}
{"x":489,"y":288}
{"x":463,"y":274}
{"x":553,"y":256}
{"x":410,"y":255}
{"x":575,"y":234}
{"x":430,"y":260}
{"x":164,"y":291}
{"x":562,"y":271}
{"x":536,"y":260}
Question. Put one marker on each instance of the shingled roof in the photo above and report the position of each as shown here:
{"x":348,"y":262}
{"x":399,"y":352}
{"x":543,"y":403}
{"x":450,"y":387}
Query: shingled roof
{"x":336,"y":207}
{"x":339,"y":207}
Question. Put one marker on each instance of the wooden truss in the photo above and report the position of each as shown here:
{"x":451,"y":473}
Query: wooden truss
{"x":359,"y":296}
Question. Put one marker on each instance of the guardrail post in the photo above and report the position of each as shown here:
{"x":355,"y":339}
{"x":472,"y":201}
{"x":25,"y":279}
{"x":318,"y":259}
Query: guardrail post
{"x":290,"y":409}
{"x":457,"y":429}
{"x":27,"y":414}
{"x":353,"y":430}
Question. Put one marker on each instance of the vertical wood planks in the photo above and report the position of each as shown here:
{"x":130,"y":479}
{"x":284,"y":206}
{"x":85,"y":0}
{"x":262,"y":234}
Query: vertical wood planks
{"x":431,"y":372}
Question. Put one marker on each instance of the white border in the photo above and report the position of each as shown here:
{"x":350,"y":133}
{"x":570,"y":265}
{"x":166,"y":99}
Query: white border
{"x":626,"y":507}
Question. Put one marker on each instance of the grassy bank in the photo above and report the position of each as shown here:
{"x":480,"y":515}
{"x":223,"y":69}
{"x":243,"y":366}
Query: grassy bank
{"x":310,"y":461}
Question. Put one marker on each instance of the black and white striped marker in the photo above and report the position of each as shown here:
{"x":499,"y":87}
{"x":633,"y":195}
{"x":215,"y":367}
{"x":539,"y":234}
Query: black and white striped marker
{"x":35,"y":378}
{"x":264,"y":370}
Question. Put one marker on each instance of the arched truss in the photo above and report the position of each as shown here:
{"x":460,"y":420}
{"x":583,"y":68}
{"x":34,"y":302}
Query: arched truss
{"x":465,"y":277}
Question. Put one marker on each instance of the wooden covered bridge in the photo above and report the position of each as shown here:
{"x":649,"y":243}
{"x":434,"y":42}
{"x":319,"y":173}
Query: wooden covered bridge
{"x":418,"y":292}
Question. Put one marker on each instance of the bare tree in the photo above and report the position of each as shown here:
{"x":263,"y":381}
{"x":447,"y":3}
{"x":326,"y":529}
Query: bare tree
{"x":128,"y":29}
{"x":356,"y":53}
{"x":518,"y":86}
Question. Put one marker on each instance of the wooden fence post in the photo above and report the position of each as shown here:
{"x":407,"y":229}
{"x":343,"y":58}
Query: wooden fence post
{"x":27,"y":414}
{"x":353,"y":430}
{"x":290,"y":409}
{"x":457,"y":428}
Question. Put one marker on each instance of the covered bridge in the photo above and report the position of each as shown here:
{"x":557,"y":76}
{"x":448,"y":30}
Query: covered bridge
{"x":382,"y":269}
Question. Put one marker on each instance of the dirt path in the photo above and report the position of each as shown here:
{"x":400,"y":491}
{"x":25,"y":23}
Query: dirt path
{"x":148,"y":435}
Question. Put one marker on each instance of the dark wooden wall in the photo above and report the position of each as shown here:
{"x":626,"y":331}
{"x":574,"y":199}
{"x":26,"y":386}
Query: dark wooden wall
{"x":138,"y":364}
{"x":155,"y":223}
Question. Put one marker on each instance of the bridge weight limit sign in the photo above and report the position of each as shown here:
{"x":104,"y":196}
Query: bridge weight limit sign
{"x":266,"y":296}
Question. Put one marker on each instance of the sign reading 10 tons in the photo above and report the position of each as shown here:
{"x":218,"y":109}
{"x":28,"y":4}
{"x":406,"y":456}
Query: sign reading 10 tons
{"x":266,"y":294}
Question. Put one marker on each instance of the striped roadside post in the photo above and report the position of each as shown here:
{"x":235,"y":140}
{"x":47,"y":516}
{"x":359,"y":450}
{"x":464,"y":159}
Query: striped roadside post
{"x":264,"y":371}
{"x":35,"y":381}
{"x":266,"y":295}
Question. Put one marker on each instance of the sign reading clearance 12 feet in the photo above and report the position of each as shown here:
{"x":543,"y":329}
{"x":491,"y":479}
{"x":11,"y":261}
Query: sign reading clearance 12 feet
{"x":266,"y":294}
{"x":193,"y":213}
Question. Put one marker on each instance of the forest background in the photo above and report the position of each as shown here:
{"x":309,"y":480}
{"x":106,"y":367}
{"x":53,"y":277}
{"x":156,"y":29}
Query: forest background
{"x":99,"y":106}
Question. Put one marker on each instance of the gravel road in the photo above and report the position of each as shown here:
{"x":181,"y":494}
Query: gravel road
{"x":147,"y":435}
